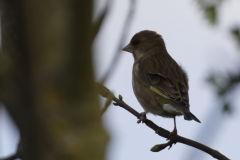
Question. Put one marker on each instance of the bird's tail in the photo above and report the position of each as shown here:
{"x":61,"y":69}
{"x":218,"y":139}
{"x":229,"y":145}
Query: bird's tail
{"x":189,"y":116}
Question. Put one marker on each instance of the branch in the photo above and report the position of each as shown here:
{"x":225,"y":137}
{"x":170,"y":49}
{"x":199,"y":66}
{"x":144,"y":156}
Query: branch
{"x":105,"y":92}
{"x":124,"y":33}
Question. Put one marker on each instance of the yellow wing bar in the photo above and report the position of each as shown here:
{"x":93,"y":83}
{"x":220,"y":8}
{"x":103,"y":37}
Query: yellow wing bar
{"x":155,"y":90}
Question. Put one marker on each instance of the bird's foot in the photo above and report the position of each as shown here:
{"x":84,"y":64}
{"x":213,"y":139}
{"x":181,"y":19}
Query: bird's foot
{"x":171,"y":138}
{"x":142,"y":118}
{"x":172,"y":134}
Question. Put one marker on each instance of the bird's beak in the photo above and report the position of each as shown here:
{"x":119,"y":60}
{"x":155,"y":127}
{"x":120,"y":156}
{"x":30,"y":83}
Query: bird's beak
{"x":128,"y":48}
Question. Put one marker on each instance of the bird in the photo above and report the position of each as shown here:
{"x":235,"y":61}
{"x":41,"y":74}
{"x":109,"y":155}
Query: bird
{"x":159,"y":83}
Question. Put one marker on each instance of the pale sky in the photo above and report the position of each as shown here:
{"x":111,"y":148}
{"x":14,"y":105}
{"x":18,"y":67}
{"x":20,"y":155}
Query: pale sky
{"x":199,"y":48}
{"x":193,"y":43}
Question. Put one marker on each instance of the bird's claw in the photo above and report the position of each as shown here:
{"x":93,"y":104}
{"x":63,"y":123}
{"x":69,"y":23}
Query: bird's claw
{"x":171,"y":143}
{"x":170,"y":146}
{"x":172,"y":134}
{"x":142,"y":118}
{"x":171,"y":138}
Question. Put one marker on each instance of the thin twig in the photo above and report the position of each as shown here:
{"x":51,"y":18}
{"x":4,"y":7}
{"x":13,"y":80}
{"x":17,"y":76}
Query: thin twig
{"x":104,"y":92}
{"x":124,"y":34}
{"x":98,"y":22}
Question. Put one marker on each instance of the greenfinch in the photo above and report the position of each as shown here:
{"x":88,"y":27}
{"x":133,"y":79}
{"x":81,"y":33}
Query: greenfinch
{"x":159,"y":83}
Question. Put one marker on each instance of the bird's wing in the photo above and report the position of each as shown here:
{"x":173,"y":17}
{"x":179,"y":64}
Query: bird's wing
{"x":169,"y":81}
{"x":167,"y":89}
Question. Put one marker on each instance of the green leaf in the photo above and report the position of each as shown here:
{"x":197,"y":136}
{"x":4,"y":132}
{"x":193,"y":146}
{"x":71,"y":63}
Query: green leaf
{"x":210,"y":13}
{"x":235,"y":32}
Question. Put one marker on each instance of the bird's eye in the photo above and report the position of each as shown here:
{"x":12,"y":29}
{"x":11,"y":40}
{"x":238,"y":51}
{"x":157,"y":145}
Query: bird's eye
{"x":135,"y":42}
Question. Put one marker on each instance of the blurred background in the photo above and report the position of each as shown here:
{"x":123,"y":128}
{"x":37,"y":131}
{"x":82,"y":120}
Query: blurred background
{"x":202,"y":36}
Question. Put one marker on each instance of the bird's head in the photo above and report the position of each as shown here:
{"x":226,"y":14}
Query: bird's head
{"x":142,"y":42}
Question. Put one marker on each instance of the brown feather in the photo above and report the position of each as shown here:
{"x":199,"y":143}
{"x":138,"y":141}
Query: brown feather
{"x":158,"y":81}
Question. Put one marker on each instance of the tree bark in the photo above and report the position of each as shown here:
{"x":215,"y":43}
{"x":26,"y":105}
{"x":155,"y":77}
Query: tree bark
{"x":48,"y":84}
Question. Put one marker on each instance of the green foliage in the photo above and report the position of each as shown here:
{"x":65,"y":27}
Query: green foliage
{"x":223,"y":85}
{"x":236,"y":35}
{"x":210,"y":9}
{"x":210,"y":14}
